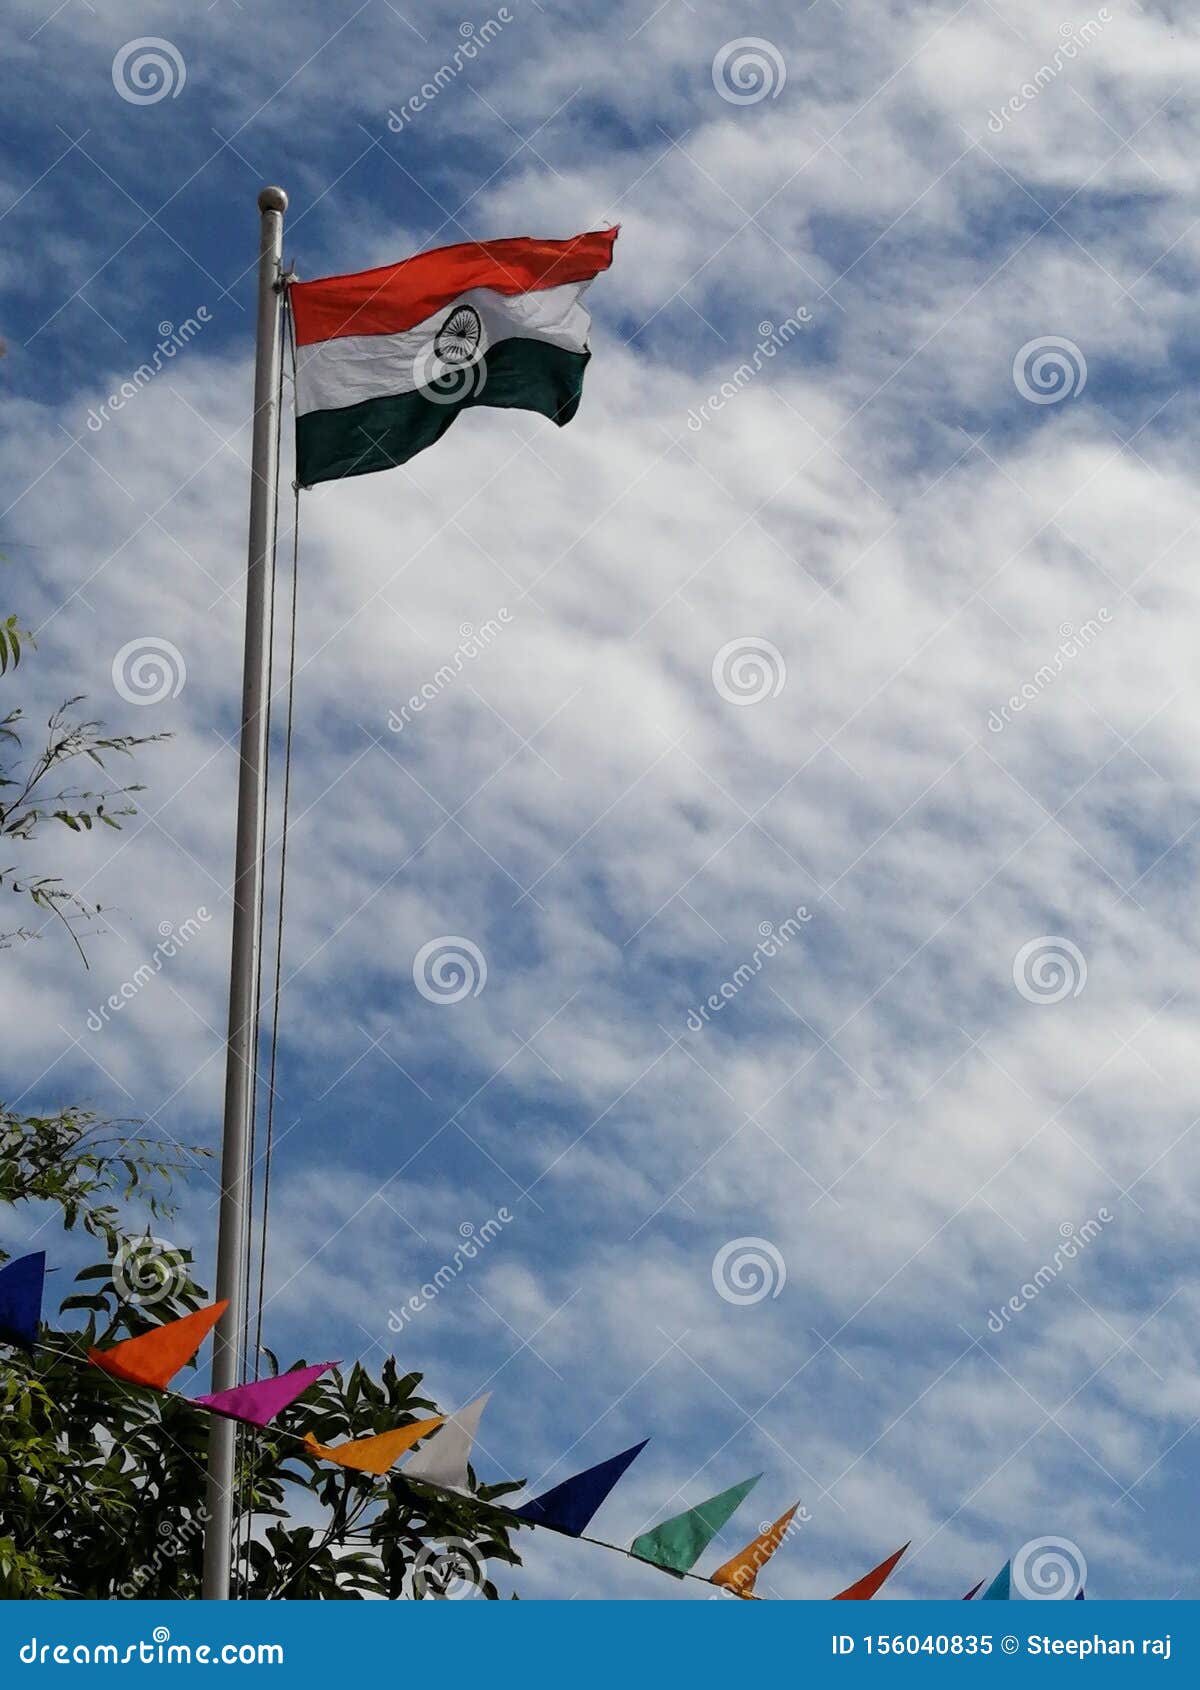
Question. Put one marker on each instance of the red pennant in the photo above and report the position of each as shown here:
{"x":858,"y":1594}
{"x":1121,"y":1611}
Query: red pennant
{"x":870,"y":1582}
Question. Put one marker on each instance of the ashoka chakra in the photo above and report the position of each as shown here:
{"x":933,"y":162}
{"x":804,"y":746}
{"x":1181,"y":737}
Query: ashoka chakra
{"x":458,"y":339}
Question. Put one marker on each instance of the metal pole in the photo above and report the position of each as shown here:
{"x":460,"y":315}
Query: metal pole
{"x":234,"y":1225}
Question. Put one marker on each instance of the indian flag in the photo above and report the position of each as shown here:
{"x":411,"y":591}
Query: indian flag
{"x":386,"y":359}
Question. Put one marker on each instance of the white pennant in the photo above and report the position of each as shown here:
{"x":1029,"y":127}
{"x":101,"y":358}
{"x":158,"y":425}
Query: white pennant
{"x":442,"y":1459}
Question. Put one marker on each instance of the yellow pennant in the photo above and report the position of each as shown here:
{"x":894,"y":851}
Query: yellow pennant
{"x":376,"y":1454}
{"x":740,"y":1571}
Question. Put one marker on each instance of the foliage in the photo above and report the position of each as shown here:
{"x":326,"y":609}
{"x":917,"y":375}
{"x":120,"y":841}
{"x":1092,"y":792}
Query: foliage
{"x":10,"y":644}
{"x":71,"y":1158}
{"x":80,"y":1162}
{"x":102,"y":1483}
{"x":34,"y":794}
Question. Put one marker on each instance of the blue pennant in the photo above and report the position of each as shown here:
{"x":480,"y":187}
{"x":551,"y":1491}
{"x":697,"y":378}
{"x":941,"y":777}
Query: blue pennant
{"x":569,"y":1506}
{"x":21,"y":1299}
{"x":1000,"y":1589}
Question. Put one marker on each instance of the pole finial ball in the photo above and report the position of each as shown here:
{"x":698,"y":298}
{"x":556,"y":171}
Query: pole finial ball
{"x":272,"y":199}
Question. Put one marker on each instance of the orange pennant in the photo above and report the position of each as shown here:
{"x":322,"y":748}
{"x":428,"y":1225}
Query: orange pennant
{"x":870,"y":1582}
{"x":156,"y":1357}
{"x":375,"y":1454}
{"x":740,"y":1571}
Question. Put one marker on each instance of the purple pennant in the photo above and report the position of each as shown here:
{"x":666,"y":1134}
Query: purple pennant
{"x":259,"y":1403}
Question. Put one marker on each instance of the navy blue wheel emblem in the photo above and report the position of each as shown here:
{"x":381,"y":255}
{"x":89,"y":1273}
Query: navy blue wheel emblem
{"x":460,"y":336}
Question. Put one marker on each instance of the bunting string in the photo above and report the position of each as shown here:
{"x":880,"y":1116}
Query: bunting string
{"x":151,"y":1360}
{"x":307,"y":1445}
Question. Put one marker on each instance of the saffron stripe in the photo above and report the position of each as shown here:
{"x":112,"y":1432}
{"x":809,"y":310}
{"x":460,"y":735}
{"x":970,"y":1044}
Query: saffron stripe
{"x":345,"y":371}
{"x":396,"y":297}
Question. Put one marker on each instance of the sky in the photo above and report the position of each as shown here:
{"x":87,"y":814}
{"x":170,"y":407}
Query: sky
{"x":844,"y":690}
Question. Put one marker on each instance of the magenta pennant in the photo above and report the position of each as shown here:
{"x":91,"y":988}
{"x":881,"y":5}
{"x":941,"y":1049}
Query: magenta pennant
{"x":259,"y":1403}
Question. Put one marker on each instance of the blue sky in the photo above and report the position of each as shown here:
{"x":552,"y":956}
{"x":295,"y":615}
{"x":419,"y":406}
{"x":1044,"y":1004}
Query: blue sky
{"x":915,"y":539}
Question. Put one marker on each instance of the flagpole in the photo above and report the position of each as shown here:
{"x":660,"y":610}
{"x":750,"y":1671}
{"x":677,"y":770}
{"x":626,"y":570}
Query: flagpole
{"x":233,"y":1227}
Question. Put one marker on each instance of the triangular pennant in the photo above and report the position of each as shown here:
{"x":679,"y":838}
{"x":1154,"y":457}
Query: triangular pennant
{"x":444,"y":1459}
{"x":870,"y":1582}
{"x":1000,"y":1589}
{"x":972,"y":1591}
{"x":260,"y":1402}
{"x":156,"y":1357}
{"x":680,"y":1541}
{"x":1079,"y":1596}
{"x":21,"y":1299}
{"x":375,"y":1454}
{"x":568,"y":1507}
{"x":740,"y":1571}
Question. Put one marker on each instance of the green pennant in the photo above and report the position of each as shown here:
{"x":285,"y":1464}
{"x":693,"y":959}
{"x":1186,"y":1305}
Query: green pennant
{"x":678,"y":1543}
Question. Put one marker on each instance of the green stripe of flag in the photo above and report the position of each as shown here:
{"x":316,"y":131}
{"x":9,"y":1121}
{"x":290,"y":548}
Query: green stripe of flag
{"x":517,"y":374}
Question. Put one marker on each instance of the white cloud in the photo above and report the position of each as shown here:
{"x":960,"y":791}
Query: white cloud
{"x":880,"y":504}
